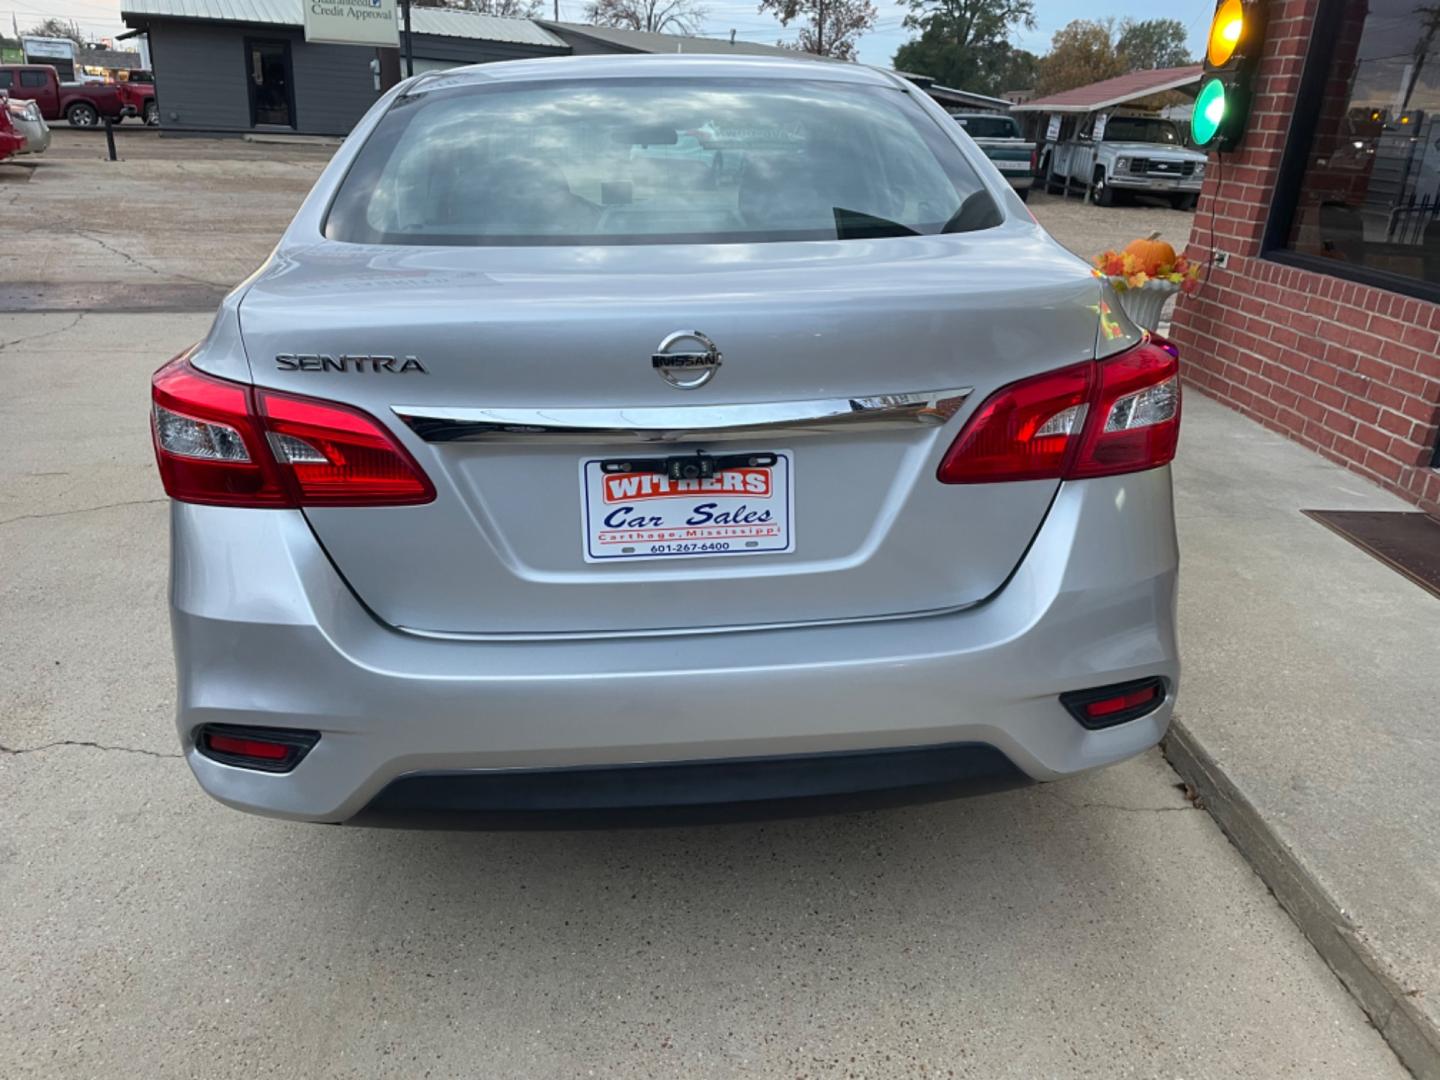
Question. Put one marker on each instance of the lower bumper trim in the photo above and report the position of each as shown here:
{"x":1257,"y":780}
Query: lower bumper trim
{"x":690,"y":792}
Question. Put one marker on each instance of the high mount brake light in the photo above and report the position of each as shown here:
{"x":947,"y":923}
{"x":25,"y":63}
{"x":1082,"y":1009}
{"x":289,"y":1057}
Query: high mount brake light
{"x":1114,"y":416}
{"x":226,"y":444}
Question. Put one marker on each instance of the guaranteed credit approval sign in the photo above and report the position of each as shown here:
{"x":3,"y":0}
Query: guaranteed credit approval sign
{"x":352,"y":22}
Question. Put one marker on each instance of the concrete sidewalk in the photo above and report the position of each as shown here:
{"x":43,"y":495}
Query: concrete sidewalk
{"x":1100,"y":927}
{"x":1309,"y":712}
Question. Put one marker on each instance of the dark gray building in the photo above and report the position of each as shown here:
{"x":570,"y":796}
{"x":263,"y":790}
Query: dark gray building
{"x":244,"y":65}
{"x":587,"y":40}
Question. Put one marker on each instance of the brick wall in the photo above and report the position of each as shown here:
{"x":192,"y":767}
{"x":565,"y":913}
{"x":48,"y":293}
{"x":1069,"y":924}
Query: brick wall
{"x":1350,"y":371}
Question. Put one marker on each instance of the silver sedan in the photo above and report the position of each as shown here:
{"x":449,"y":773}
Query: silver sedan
{"x":25,"y":115}
{"x":542,"y":474}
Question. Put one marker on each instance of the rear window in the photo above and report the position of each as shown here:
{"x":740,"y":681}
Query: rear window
{"x":652,"y":161}
{"x":989,"y":127}
{"x":1141,"y":129}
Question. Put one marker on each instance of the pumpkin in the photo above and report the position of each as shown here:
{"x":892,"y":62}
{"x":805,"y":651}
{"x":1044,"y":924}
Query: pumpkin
{"x":1152,"y":255}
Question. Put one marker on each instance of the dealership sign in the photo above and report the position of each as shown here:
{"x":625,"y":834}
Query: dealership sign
{"x":352,"y":22}
{"x":48,"y":48}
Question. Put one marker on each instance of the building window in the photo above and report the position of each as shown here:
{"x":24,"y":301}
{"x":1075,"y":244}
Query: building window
{"x":1359,"y":192}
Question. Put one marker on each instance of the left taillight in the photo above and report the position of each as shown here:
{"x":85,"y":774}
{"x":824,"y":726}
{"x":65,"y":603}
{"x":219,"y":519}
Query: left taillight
{"x":1114,"y":416}
{"x":223,"y":443}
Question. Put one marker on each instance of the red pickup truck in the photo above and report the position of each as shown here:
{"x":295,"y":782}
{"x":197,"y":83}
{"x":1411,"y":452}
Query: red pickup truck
{"x":11,"y":141}
{"x":82,"y":104}
{"x":138,"y":97}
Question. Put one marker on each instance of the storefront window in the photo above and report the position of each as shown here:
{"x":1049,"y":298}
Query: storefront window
{"x":1368,"y":199}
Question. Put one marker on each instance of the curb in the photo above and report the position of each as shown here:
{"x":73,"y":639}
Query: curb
{"x":1414,"y":1037}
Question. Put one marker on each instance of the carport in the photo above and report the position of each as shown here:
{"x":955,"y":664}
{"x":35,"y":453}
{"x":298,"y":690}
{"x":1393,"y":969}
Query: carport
{"x":1072,"y":116}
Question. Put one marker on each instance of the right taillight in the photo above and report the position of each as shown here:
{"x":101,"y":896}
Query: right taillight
{"x":223,"y":443}
{"x":1113,"y":416}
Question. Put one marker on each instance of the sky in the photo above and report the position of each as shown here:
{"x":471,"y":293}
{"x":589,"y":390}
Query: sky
{"x":102,"y":18}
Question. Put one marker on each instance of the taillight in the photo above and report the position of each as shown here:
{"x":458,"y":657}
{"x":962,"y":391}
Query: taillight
{"x":1024,"y":431}
{"x":1136,"y":420}
{"x":207,"y":443}
{"x":339,"y":456}
{"x":1114,"y":416}
{"x":226,"y":444}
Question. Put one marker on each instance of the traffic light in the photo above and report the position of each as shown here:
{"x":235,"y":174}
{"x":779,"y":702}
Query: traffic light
{"x":1237,"y":33}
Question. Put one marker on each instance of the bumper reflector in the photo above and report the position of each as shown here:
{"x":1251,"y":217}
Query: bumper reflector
{"x":266,"y":749}
{"x":1106,"y":706}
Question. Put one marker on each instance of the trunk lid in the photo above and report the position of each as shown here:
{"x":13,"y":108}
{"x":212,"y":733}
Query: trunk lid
{"x":502,"y":548}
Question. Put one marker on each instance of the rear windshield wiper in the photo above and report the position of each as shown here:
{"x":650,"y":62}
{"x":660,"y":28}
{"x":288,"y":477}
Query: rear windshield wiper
{"x":978,"y":211}
{"x":854,"y":225}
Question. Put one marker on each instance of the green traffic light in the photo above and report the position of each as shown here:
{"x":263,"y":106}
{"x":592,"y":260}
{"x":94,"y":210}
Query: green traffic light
{"x":1209,"y":112}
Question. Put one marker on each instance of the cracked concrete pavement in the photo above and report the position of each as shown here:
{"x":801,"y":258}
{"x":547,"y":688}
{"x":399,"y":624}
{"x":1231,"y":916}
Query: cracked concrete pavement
{"x":1101,"y":927}
{"x":172,"y":225}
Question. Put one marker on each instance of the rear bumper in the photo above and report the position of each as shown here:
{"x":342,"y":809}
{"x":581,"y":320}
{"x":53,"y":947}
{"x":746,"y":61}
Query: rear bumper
{"x":1154,"y":186}
{"x":688,"y":792}
{"x":266,"y":633}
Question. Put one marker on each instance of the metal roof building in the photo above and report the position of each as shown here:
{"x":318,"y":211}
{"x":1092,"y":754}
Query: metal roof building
{"x":1109,"y":93}
{"x":244,"y":65}
{"x":427,"y":21}
{"x":585,"y":39}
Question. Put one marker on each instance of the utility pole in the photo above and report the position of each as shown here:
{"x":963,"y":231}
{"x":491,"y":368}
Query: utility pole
{"x":557,"y":10}
{"x":820,"y":28}
{"x":409,"y":43}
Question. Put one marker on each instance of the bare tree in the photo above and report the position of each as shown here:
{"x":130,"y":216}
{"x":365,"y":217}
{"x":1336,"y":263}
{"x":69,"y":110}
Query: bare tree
{"x":1430,"y":19}
{"x":58,"y":28}
{"x":656,"y":16}
{"x":506,"y":9}
{"x":829,"y":27}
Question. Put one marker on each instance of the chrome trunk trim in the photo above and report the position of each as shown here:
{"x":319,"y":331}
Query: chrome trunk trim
{"x":679,"y":423}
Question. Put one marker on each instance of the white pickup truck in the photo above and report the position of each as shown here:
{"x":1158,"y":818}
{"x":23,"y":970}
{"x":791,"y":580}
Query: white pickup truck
{"x":1142,"y":155}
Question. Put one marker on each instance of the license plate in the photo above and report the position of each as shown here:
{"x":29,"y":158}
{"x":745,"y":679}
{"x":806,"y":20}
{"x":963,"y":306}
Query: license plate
{"x":646,"y":515}
{"x":1013,"y":166}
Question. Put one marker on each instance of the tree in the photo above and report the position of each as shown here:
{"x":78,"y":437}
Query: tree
{"x":1430,"y":19}
{"x":965,"y":43}
{"x":656,"y":16}
{"x":505,"y":9}
{"x":58,"y":28}
{"x":829,"y":27}
{"x":1153,"y":43}
{"x":1081,"y":52}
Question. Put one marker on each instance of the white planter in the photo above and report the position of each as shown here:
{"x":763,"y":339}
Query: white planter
{"x":1144,"y":304}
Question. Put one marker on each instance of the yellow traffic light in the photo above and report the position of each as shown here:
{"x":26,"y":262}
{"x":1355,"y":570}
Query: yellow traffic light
{"x":1232,"y":54}
{"x":1225,"y":32}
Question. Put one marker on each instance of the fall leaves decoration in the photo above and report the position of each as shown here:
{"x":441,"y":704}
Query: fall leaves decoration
{"x":1146,"y":260}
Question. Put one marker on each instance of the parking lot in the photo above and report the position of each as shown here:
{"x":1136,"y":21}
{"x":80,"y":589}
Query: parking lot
{"x":1099,"y":927}
{"x":177,"y":221}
